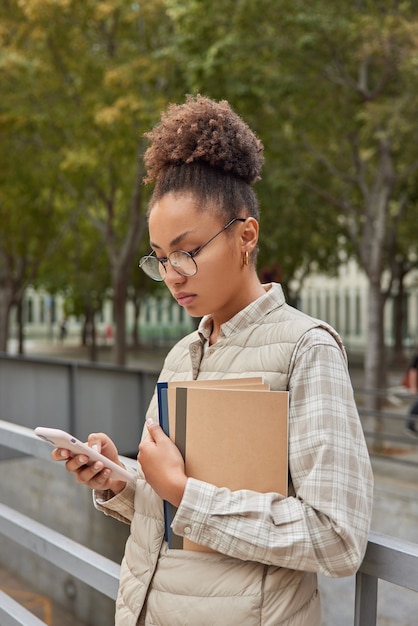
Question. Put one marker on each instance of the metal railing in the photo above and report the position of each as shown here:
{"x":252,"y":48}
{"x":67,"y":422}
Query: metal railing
{"x":77,"y":397}
{"x":384,"y":429}
{"x":84,"y":397}
{"x":387,"y":558}
{"x":82,"y":563}
{"x":85,"y":565}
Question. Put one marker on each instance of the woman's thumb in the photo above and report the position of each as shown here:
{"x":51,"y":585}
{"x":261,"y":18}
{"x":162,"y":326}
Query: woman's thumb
{"x":154,"y":429}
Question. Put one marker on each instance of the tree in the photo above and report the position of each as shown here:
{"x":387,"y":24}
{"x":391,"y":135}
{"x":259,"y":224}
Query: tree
{"x":30,"y":227}
{"x":366,"y":79}
{"x":234,"y":50}
{"x":333,"y":89}
{"x":99,"y":83}
{"x":25,"y":205}
{"x":80,"y":272}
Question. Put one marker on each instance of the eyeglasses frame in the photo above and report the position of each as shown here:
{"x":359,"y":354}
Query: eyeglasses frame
{"x":192,"y":254}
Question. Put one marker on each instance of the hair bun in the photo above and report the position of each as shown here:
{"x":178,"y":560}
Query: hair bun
{"x":202,"y":129}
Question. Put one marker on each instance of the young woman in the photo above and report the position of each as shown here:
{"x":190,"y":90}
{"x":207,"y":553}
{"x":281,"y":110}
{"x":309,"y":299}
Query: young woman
{"x":203,"y":227}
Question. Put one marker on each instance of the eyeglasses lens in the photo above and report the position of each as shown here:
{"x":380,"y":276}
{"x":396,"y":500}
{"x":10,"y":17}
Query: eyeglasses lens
{"x":180,"y":261}
{"x":152,"y":268}
{"x":183,"y":263}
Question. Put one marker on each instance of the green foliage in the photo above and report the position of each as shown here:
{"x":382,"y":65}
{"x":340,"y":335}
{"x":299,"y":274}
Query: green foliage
{"x":329,"y":87}
{"x":81,"y":82}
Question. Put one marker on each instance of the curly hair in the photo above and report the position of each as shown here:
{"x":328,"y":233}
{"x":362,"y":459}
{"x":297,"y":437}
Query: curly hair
{"x":205,"y":148}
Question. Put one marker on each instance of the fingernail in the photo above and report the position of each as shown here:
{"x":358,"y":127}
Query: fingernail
{"x":97,"y":465}
{"x":150,"y":421}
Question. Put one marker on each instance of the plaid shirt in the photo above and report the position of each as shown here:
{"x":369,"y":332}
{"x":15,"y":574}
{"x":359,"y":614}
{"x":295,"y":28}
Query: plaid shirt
{"x":323,"y":525}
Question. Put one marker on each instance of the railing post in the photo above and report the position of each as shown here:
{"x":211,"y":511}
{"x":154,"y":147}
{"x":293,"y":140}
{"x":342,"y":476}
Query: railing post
{"x":365,"y":610}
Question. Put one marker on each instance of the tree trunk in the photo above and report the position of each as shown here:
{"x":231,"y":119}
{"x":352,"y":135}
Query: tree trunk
{"x":399,"y":317}
{"x":375,"y":358}
{"x":88,"y":336}
{"x":6,"y":299}
{"x":20,"y":326}
{"x":119,"y":305}
{"x":93,"y":342}
{"x":135,"y":330}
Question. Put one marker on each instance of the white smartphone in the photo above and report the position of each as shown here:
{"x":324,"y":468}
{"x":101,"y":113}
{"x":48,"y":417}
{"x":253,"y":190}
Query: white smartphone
{"x":61,"y":439}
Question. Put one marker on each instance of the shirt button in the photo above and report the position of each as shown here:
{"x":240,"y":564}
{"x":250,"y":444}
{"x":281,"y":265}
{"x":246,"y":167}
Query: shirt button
{"x":187,"y":530}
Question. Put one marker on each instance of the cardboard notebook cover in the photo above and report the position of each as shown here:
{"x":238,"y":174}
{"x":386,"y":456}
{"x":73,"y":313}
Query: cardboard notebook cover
{"x":166,"y":394}
{"x":234,"y":438}
{"x":255,"y":382}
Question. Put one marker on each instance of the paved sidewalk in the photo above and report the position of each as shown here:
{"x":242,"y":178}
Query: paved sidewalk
{"x":144,"y":356}
{"x":40,"y":605}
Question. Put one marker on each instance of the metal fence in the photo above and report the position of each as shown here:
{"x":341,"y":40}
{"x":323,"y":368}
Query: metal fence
{"x":77,"y":397}
{"x":83,"y":564}
{"x":83,"y":397}
{"x":384,"y":429}
{"x":386,"y":558}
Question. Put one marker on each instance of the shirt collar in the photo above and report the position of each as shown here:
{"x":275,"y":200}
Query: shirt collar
{"x":272,"y":299}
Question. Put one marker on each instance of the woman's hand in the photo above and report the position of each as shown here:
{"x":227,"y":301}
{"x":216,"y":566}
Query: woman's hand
{"x":95,"y":476}
{"x":162,"y":464}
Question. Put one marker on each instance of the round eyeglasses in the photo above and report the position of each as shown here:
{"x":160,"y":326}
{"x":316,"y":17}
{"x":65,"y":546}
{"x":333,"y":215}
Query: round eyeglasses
{"x":181,"y":261}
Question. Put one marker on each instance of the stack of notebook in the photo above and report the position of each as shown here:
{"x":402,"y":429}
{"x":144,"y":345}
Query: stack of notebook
{"x":232,"y":433}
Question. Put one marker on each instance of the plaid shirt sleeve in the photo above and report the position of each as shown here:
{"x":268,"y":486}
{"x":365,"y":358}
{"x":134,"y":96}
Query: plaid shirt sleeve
{"x":323,"y":525}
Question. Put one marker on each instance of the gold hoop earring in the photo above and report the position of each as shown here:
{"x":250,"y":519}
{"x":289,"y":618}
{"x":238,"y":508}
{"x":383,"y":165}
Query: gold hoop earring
{"x":246,"y":258}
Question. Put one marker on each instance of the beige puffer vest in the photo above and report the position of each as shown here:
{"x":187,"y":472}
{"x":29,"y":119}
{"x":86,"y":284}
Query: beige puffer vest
{"x":175,"y":587}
